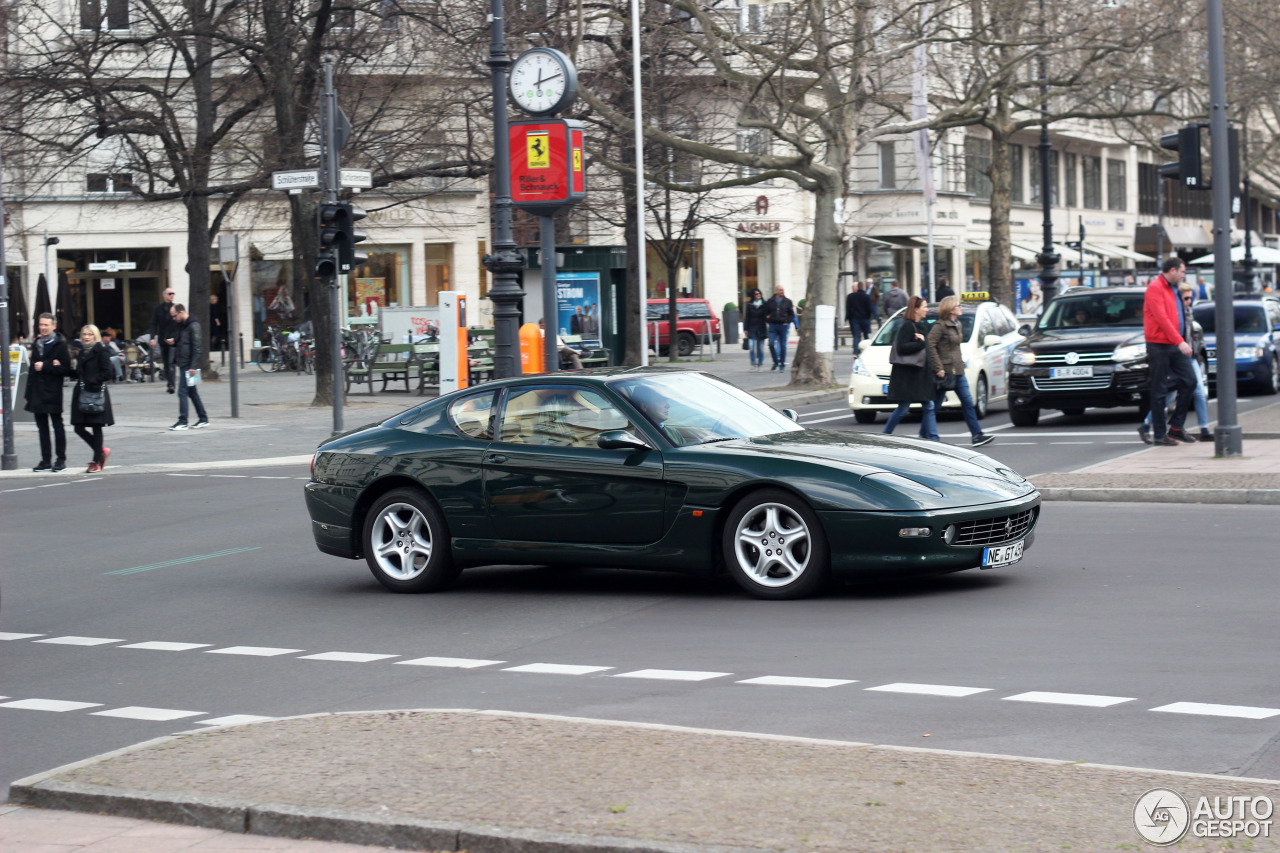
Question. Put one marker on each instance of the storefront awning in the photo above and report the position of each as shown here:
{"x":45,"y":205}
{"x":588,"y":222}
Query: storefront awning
{"x":1068,"y":256}
{"x":904,"y":242}
{"x":1021,"y":253}
{"x":1120,"y":252}
{"x":1175,"y":237}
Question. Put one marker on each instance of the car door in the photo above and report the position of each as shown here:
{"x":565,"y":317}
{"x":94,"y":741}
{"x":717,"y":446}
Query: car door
{"x":547,"y":480}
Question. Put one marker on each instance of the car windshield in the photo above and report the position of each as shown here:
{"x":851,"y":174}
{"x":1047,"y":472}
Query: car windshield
{"x":693,"y":408}
{"x":889,"y":331}
{"x":1250,"y":319}
{"x":1094,"y":309}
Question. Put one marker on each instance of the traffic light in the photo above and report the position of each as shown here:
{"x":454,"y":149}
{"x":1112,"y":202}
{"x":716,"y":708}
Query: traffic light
{"x":336,"y":222}
{"x":1186,"y":142}
{"x":348,"y":257}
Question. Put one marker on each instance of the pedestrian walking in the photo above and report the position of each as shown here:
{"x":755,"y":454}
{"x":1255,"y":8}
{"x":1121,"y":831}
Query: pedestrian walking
{"x":50,"y":363}
{"x":89,"y":415}
{"x":1167,"y":329}
{"x":190,"y":355}
{"x":756,"y":329}
{"x":779,"y":313}
{"x":857,"y":311}
{"x":873,"y":293}
{"x":943,"y":290}
{"x":165,"y":330}
{"x":910,"y":380}
{"x":947,"y":362}
{"x":217,"y":322}
{"x":895,"y":300}
{"x":1200,"y":394}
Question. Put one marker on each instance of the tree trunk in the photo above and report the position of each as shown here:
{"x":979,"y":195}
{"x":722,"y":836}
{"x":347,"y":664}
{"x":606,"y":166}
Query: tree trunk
{"x":999,"y":258}
{"x":811,"y":368}
{"x":673,"y":314}
{"x":197,"y":266}
{"x":637,"y":305}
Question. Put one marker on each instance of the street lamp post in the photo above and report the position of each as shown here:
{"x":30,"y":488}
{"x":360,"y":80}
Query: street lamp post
{"x":505,"y":262}
{"x":1048,"y":258}
{"x":1248,"y":261}
{"x":8,"y":458}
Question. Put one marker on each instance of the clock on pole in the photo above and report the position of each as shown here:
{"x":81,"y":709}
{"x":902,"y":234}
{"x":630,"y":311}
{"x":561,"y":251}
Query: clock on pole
{"x":543,"y":81}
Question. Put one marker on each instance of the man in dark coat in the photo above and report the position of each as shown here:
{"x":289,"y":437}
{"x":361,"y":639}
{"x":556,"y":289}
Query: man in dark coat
{"x":857,"y":310}
{"x":165,"y":330}
{"x":943,"y":290}
{"x":779,"y":312}
{"x":217,"y":321}
{"x":190,"y":355}
{"x":50,"y":362}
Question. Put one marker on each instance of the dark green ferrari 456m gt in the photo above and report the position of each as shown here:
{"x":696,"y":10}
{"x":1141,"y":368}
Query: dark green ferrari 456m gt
{"x":655,"y":469}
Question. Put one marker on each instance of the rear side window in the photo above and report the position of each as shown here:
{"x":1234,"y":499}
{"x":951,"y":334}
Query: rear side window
{"x":473,"y":415}
{"x":694,"y":310}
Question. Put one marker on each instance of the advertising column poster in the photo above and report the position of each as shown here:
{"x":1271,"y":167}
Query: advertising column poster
{"x":578,"y":306}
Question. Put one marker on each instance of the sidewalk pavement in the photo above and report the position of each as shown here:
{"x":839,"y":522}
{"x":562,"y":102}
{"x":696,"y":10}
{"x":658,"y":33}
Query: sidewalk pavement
{"x":500,"y":782}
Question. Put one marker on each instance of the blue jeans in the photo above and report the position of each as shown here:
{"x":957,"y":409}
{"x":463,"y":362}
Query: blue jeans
{"x":1200,"y":396}
{"x":861,"y":328}
{"x":755,"y":349}
{"x":778,"y":343}
{"x":928,"y":420}
{"x":191,"y":391}
{"x":966,"y":405}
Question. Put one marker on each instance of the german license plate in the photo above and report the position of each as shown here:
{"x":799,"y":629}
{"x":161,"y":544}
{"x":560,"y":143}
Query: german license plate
{"x":1213,"y":368}
{"x":1070,"y":372}
{"x":1002,"y":555}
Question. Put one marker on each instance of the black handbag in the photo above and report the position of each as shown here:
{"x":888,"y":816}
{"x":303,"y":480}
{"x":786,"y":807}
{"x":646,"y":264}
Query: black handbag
{"x":911,"y":359}
{"x":946,"y":383}
{"x":746,"y":343}
{"x":92,"y":402}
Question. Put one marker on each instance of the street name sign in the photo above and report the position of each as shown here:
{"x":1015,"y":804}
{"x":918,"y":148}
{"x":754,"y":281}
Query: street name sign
{"x":309,"y":179}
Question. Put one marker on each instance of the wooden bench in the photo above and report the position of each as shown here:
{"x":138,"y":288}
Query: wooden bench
{"x":600,"y":357}
{"x":388,"y":362}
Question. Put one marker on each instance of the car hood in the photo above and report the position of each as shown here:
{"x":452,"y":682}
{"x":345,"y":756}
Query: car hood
{"x":1062,"y":340}
{"x":956,"y":476}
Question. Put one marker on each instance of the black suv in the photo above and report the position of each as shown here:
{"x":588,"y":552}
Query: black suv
{"x":1086,"y":350}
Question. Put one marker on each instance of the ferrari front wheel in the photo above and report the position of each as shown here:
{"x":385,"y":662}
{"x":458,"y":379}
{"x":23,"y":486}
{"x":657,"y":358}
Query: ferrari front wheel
{"x":774,"y":546}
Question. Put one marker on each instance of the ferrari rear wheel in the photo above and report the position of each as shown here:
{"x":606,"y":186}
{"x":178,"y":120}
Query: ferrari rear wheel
{"x":406,"y":543}
{"x":774,"y":546}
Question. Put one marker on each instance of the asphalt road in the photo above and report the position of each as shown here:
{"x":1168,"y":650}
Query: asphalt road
{"x":1118,"y":609}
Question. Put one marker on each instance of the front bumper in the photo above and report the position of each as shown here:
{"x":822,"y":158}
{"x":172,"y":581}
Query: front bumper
{"x":868,"y":393}
{"x":1110,"y":386}
{"x":1247,"y":370}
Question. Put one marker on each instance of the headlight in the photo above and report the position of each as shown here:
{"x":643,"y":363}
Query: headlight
{"x":1129,"y":352}
{"x":1250,"y":351}
{"x":1024,"y":356}
{"x":860,"y":368}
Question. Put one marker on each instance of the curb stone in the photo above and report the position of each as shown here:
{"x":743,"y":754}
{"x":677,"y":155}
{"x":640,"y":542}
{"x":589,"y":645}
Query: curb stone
{"x":1180,"y":496}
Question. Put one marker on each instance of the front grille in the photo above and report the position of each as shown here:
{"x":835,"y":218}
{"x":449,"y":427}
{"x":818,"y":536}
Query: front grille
{"x":1085,"y":357}
{"x":991,"y":531}
{"x":1211,"y":353}
{"x":1092,"y":383}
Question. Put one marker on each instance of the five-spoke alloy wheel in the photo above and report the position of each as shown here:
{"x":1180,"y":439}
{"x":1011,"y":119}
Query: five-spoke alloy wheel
{"x":406,"y":543}
{"x":774,"y":546}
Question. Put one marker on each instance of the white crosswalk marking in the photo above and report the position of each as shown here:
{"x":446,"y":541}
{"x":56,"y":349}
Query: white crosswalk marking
{"x":9,"y":635}
{"x":456,"y":663}
{"x":141,"y":712}
{"x":793,"y":681}
{"x":233,"y":720}
{"x":79,"y":641}
{"x":1245,"y":711}
{"x":254,"y":651}
{"x":56,"y":705}
{"x":929,"y":689}
{"x":159,"y":646}
{"x":1087,"y":700}
{"x":349,"y":657}
{"x":557,"y":669}
{"x":672,"y":675}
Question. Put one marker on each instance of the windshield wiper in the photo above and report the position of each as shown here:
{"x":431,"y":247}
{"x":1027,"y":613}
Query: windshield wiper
{"x":726,"y":438}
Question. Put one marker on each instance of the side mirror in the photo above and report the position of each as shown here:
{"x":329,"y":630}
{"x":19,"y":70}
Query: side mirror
{"x":1025,"y":330}
{"x":992,"y":340}
{"x":792,"y":414}
{"x":863,"y":344}
{"x":620,"y":439}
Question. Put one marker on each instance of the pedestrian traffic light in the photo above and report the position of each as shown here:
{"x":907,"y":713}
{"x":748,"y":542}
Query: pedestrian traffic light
{"x":348,"y":257}
{"x":1186,"y":142}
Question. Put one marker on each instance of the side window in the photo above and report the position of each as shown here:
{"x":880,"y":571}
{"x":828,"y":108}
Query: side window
{"x":693,"y":311}
{"x":473,"y":416}
{"x":1003,"y":321}
{"x":562,"y":416}
{"x":984,"y":328}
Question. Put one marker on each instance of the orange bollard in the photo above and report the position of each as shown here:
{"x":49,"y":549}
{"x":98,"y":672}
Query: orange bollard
{"x":531,"y":357}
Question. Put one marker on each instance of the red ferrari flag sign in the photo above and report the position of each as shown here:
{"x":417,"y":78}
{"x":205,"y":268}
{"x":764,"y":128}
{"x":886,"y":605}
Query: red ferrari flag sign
{"x":546,"y":165}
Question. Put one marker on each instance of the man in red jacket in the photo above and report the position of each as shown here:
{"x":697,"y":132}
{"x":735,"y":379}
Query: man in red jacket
{"x":1164,"y":326}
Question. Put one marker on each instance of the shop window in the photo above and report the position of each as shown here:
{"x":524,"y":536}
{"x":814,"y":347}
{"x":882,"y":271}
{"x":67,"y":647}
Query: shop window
{"x":977,"y":161}
{"x":273,"y":301}
{"x":1117,"y":197}
{"x":438,"y":260}
{"x":688,"y":273}
{"x":104,"y":15}
{"x":755,"y":269}
{"x":1070,"y":170}
{"x":377,"y":283}
{"x":888,"y":170}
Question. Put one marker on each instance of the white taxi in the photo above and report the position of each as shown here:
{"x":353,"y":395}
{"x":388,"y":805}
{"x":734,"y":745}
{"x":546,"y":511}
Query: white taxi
{"x":990,"y":334}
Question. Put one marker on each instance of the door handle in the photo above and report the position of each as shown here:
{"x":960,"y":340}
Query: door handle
{"x":495,"y":457}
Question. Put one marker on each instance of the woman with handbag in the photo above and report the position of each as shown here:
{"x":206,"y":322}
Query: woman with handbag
{"x":910,"y":380}
{"x":947,"y":362}
{"x":755,"y":330}
{"x":90,"y":401}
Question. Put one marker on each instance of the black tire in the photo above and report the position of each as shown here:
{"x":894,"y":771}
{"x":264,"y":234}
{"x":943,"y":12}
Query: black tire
{"x":981,"y":397}
{"x":1074,"y":411}
{"x":685,"y":343}
{"x":1024,"y":417}
{"x":268,"y":359}
{"x":865,"y":416}
{"x":1272,"y":384}
{"x":401,"y":562}
{"x":773,"y":515}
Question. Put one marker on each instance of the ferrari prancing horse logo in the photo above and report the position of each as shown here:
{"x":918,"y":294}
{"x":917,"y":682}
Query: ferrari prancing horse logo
{"x":538,"y":143}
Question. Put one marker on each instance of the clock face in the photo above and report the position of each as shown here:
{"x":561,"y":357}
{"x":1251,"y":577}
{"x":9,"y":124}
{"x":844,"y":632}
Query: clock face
{"x":543,"y":81}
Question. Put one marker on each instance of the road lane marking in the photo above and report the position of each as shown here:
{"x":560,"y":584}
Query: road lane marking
{"x":141,"y":712}
{"x":231,"y":476}
{"x":1245,"y":711}
{"x":254,"y":651}
{"x":79,"y":641}
{"x":1086,"y":700}
{"x":8,"y":635}
{"x":58,"y":706}
{"x":843,"y":417}
{"x":792,"y":681}
{"x":455,"y":663}
{"x":234,"y":720}
{"x":672,"y":674}
{"x":184,"y":475}
{"x":158,"y":646}
{"x":929,"y":689}
{"x":1072,"y":442}
{"x":271,"y":478}
{"x":846,"y":410}
{"x":181,"y":560}
{"x":348,"y":657}
{"x":557,"y":669}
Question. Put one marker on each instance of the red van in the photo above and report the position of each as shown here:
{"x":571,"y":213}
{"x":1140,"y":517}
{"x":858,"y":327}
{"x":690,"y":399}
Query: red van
{"x":694,"y":318}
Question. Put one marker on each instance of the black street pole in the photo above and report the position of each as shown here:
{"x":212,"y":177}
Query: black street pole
{"x":9,"y":458}
{"x":331,"y":195}
{"x":1048,"y":258}
{"x":1228,"y":440}
{"x":505,"y":263}
{"x":1248,"y":237}
{"x":550,"y":347}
